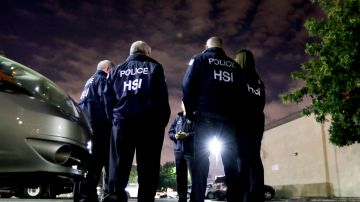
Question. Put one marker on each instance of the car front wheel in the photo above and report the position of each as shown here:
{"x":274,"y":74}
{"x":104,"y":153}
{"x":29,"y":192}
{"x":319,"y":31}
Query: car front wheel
{"x":211,"y":195}
{"x":268,"y":194}
{"x":34,"y":192}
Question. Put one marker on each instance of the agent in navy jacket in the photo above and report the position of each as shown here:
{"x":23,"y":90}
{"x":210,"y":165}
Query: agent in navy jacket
{"x":92,"y":103}
{"x":212,"y":93}
{"x":251,"y":128}
{"x":137,"y":102}
{"x":181,"y":132}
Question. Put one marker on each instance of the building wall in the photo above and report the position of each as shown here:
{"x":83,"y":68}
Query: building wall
{"x":299,"y":161}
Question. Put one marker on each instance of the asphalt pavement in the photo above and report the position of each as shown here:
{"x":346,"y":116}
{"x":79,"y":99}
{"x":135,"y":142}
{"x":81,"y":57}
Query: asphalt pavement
{"x":175,"y":200}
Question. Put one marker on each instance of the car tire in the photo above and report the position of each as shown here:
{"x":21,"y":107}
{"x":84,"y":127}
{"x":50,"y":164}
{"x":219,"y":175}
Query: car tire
{"x":211,"y":195}
{"x":217,"y":196}
{"x":268,"y":193}
{"x":37,"y":192}
{"x":221,"y":196}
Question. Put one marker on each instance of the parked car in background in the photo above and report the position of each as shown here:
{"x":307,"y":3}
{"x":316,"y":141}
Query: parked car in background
{"x":132,"y":190}
{"x":208,"y":188}
{"x":269,"y":192}
{"x":45,"y":137}
{"x":218,"y":190}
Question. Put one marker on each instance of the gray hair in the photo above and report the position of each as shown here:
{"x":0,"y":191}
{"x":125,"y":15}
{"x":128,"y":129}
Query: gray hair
{"x":214,"y":41}
{"x":140,"y":47}
{"x":104,"y":64}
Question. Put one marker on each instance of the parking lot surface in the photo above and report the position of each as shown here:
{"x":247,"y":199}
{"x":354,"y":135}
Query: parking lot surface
{"x":355,"y":199}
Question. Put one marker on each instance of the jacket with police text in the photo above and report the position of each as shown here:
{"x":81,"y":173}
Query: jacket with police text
{"x":213,"y":85}
{"x":92,"y":101}
{"x":137,"y":88}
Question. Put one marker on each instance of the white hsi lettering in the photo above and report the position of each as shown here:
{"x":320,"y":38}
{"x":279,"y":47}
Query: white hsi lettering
{"x":253,"y":91}
{"x":217,"y":62}
{"x":223,"y":76}
{"x":132,"y":84}
{"x":86,"y":91}
{"x":191,"y":62}
{"x":134,"y":71}
{"x":89,"y":81}
{"x":84,"y":94}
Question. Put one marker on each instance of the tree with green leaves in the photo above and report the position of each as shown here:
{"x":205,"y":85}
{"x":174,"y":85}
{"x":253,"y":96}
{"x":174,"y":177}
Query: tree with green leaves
{"x":167,"y":177}
{"x":332,"y":76}
{"x":133,"y":175}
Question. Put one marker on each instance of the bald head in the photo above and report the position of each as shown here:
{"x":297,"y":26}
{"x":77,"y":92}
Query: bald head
{"x":140,"y":47}
{"x":105,"y":65}
{"x":214,"y":41}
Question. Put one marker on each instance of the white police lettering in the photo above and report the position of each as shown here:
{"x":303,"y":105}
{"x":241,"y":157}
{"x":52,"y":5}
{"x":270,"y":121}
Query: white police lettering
{"x":191,"y":62}
{"x":226,"y":63}
{"x":86,"y":91}
{"x":132,"y":84}
{"x":134,"y":71}
{"x":253,"y":91}
{"x":84,"y":94}
{"x":223,"y":75}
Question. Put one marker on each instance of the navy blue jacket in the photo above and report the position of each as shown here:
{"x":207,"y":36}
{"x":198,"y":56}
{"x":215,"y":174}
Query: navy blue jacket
{"x":254,"y":107}
{"x":182,"y":124}
{"x":253,"y":119}
{"x":213,"y":85}
{"x":137,"y":88}
{"x":91,"y":100}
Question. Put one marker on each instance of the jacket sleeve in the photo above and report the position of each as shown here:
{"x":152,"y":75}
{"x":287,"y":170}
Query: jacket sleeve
{"x":189,"y":127}
{"x":109,"y":97}
{"x":160,"y":95}
{"x":172,"y":129}
{"x":190,"y":87}
{"x":101,"y":88}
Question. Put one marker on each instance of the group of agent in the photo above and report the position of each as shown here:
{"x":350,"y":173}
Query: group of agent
{"x":128,"y":109}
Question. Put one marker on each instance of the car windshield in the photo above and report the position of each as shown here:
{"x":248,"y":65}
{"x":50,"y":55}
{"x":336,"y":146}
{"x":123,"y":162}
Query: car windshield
{"x":17,"y":78}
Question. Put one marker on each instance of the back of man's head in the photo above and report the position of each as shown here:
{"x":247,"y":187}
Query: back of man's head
{"x":214,"y":41}
{"x":140,"y":47}
{"x":105,"y":65}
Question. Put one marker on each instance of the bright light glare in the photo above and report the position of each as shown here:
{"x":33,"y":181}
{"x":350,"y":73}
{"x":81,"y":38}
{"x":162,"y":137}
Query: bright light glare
{"x":89,"y":146}
{"x":215,"y":146}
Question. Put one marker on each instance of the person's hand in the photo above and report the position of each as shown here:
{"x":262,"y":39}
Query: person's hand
{"x":181,"y":135}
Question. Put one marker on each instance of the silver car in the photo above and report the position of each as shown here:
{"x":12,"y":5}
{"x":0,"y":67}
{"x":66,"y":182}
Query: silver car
{"x":45,"y":137}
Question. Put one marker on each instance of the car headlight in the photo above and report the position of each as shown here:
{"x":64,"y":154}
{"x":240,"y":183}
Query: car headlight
{"x":215,"y":146}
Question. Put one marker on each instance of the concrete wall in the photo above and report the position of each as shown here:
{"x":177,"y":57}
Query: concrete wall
{"x":299,"y":161}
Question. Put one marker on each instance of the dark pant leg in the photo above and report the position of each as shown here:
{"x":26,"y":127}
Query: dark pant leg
{"x":98,"y":160}
{"x":105,"y":154}
{"x":243,"y":145}
{"x":229,"y":157}
{"x":148,"y":155}
{"x":256,"y":170}
{"x":181,"y":176}
{"x":200,"y":169}
{"x":121,"y":156}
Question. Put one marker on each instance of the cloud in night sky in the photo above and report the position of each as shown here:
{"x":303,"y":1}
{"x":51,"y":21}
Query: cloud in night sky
{"x":64,"y":40}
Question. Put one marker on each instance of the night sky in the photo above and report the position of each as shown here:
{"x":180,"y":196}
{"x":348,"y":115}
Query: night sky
{"x":65,"y":39}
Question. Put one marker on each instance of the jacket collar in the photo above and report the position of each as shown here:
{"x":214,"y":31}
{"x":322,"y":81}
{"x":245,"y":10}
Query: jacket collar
{"x":100,"y":72}
{"x":214,"y":49}
{"x":137,"y":56}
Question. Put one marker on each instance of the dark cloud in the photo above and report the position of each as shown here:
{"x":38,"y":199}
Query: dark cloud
{"x":64,"y":40}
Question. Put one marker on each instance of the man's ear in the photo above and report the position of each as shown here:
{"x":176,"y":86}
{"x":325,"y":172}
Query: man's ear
{"x":108,"y":69}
